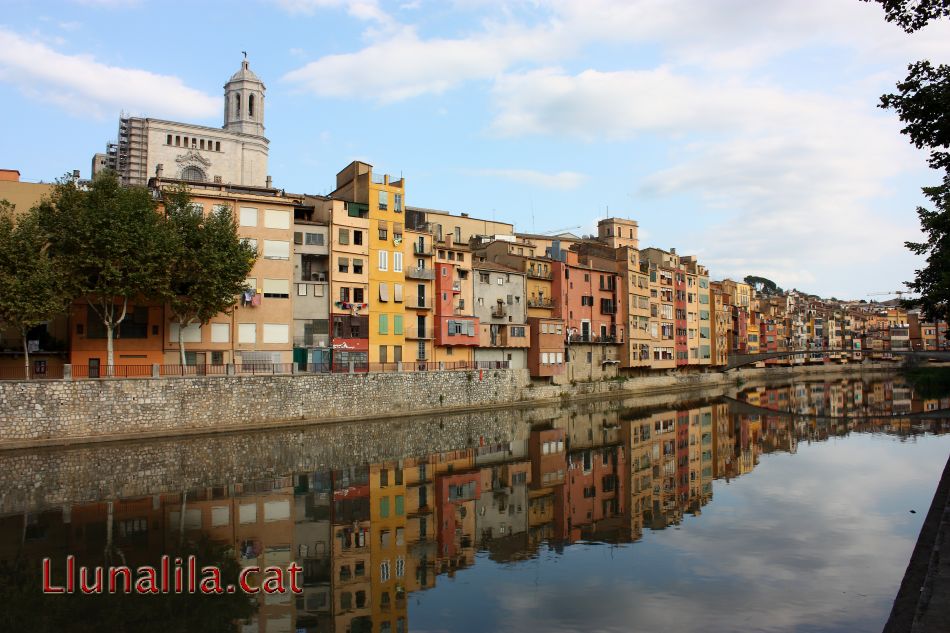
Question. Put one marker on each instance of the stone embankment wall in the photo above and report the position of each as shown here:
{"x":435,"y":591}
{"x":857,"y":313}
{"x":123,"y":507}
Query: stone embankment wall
{"x":47,"y":413}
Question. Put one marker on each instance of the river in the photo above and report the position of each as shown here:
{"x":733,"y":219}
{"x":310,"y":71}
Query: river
{"x":779,"y":507}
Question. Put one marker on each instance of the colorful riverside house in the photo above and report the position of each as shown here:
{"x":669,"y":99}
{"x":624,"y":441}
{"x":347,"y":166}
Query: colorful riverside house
{"x":698,"y":318}
{"x":457,"y":329}
{"x":662,"y":266}
{"x":260,"y":329}
{"x":422,"y":296}
{"x":383,"y":200}
{"x":311,"y":284}
{"x":635,"y":282}
{"x":546,"y":352}
{"x":498,"y":297}
{"x":585,"y":287}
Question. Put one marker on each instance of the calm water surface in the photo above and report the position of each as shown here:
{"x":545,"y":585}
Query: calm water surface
{"x":780,"y":508}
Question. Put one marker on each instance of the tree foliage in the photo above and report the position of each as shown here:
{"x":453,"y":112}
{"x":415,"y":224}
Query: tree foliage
{"x":922,"y":102}
{"x":912,"y":15}
{"x":114,"y":245}
{"x":33,"y":286}
{"x":210,"y":265}
{"x":763,"y":286}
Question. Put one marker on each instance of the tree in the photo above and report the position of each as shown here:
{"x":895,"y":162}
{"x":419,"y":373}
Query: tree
{"x":114,"y":244}
{"x":32,"y":283}
{"x":922,"y":102}
{"x":763,"y":286}
{"x":210,"y":266}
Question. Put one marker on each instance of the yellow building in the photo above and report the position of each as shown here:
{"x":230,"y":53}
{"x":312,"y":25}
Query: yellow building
{"x":388,"y":545}
{"x":385,"y":202}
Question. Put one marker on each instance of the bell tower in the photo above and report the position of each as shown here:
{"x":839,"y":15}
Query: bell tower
{"x":244,"y":102}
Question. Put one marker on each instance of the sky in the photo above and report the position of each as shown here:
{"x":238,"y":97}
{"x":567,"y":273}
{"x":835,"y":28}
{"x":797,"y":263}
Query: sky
{"x":744,"y":132}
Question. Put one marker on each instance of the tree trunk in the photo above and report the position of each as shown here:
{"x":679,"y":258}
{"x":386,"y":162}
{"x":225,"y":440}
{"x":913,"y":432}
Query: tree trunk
{"x":26,"y":355}
{"x":181,"y":344}
{"x":110,"y":353}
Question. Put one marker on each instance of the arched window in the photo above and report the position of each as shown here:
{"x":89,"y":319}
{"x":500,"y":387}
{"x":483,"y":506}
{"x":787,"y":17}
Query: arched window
{"x":250,"y":106}
{"x":237,"y":105}
{"x":192,"y":174}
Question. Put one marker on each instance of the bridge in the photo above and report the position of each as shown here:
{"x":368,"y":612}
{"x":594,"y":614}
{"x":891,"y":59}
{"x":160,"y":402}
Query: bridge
{"x":741,"y":360}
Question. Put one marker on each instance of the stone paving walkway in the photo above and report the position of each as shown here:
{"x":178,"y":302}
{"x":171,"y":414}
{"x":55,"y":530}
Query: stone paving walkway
{"x":923,"y":602}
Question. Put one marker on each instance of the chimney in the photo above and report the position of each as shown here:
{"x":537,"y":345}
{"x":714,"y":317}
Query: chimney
{"x":75,"y":174}
{"x":673,"y":251}
{"x":159,"y":170}
{"x":270,"y":183}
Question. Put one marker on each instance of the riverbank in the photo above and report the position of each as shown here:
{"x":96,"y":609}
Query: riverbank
{"x":34,"y":414}
{"x":922,"y":604}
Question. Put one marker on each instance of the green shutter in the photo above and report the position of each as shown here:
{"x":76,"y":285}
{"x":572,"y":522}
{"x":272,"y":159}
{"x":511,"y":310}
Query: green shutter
{"x":399,"y":505}
{"x":384,"y":508}
{"x":397,"y":324}
{"x":384,"y":324}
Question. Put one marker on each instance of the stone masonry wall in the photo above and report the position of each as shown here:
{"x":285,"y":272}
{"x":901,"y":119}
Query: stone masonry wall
{"x":95,"y":408}
{"x":91,"y":410}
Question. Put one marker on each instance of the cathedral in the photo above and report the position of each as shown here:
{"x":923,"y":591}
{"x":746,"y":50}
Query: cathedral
{"x":235,"y":153}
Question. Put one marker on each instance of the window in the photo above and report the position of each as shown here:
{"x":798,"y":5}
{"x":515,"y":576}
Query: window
{"x":276,"y":333}
{"x":357,"y":266}
{"x":383,"y":200}
{"x":383,"y":232}
{"x":274,"y":219}
{"x":220,"y":332}
{"x":397,"y":262}
{"x":277,"y":288}
{"x":343,"y":264}
{"x":313,"y":239}
{"x":237,"y":105}
{"x":276,"y":249}
{"x":397,"y":292}
{"x":358,"y":295}
{"x":384,"y":572}
{"x":344,"y":236}
{"x":250,"y":106}
{"x":383,"y":263}
{"x":384,"y":511}
{"x":397,"y":324}
{"x":217,"y":146}
{"x":189,"y":334}
{"x":397,"y":202}
{"x":484,"y":278}
{"x":358,"y":238}
{"x":248,"y":216}
{"x":517,"y":331}
{"x":400,"y":510}
{"x":247,"y":332}
{"x":384,"y":324}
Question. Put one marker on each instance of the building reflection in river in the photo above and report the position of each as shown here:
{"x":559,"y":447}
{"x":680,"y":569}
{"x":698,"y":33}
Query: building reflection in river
{"x":369,"y":536}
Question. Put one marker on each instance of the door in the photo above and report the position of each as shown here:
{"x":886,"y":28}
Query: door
{"x":421,"y":288}
{"x":585,"y":330}
{"x":93,"y":367}
{"x":423,"y":496}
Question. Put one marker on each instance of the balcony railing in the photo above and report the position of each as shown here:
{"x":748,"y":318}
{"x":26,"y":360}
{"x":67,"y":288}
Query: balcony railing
{"x":423,"y":333}
{"x":423,"y":249}
{"x":420,"y":273}
{"x":534,"y":273}
{"x":313,"y":276}
{"x":590,"y":338}
{"x":499,"y":311}
{"x":456,"y":286}
{"x":540,"y":303}
{"x":419,"y":303}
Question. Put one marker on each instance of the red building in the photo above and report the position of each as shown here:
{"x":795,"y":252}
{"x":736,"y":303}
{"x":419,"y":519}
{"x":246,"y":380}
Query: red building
{"x":454,"y":326}
{"x":680,"y":341}
{"x":546,"y":356}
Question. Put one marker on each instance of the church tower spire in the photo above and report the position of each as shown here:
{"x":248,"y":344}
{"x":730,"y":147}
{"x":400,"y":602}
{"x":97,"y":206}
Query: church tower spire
{"x":244,"y":102}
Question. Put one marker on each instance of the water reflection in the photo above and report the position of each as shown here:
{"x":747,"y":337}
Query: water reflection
{"x":374,"y":539}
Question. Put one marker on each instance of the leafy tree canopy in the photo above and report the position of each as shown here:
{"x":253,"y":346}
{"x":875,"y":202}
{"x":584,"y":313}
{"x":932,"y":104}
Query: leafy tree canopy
{"x":763,"y":286}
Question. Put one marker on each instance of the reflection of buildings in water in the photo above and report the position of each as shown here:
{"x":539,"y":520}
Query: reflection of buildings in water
{"x":368,"y":536}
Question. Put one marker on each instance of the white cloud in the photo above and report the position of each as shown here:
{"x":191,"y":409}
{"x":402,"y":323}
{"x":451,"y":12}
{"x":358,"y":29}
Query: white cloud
{"x":84,"y":86}
{"x":561,"y":180}
{"x":360,"y":9}
{"x":402,"y":65}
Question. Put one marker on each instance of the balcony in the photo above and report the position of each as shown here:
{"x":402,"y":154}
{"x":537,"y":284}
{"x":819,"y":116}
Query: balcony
{"x":535,"y":273}
{"x":313,"y":276}
{"x":418,"y":333}
{"x":420,"y":273}
{"x":591,"y":338}
{"x":419,"y":303}
{"x":500,"y":311}
{"x":421,"y":249}
{"x":543,"y":302}
{"x":456,"y":286}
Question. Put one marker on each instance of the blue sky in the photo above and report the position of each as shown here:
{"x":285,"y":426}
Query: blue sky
{"x":744,"y":132}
